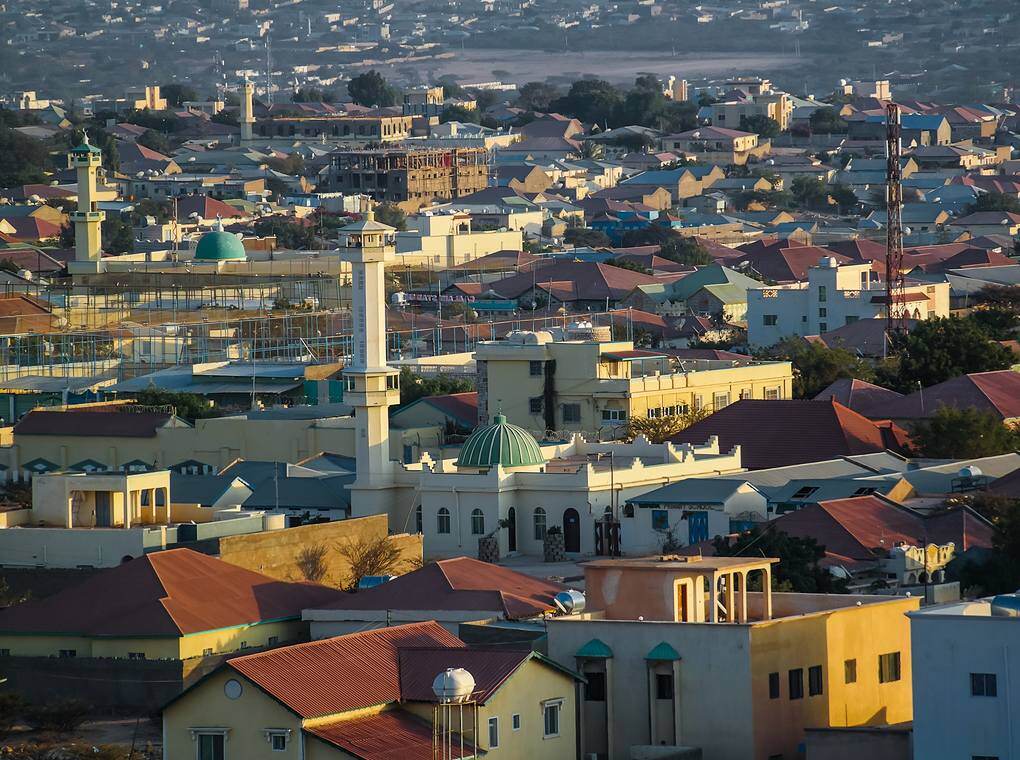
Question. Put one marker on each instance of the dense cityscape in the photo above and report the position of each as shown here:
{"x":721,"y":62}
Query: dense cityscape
{"x":593,"y":382}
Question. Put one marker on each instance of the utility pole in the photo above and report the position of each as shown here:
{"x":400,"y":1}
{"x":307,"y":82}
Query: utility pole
{"x":894,"y":280}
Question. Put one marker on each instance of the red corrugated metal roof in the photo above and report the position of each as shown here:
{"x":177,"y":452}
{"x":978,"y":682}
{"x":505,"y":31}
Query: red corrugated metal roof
{"x":340,"y":674}
{"x":390,"y":735}
{"x":490,"y":668}
{"x":120,"y":424}
{"x":167,"y":593}
{"x":461,"y":583}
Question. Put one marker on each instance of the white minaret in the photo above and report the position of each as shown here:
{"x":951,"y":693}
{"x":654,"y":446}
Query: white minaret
{"x":370,"y":386}
{"x":88,"y":219}
{"x":247,"y":112}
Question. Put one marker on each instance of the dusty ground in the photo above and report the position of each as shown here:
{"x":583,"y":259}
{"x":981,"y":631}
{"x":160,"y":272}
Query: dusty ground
{"x":121,"y":733}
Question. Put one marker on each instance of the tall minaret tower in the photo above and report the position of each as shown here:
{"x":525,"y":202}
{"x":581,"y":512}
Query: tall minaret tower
{"x":88,"y":219}
{"x":370,"y":386}
{"x":247,"y":112}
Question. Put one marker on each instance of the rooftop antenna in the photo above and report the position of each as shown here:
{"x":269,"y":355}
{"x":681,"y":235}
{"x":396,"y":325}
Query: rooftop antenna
{"x":894,"y":279}
{"x":269,"y":70}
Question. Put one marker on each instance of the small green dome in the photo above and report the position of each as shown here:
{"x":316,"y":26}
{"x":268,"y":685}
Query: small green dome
{"x":219,"y":246}
{"x":500,"y":444}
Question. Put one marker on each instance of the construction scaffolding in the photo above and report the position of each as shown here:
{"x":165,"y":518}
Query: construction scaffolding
{"x":411,"y":176}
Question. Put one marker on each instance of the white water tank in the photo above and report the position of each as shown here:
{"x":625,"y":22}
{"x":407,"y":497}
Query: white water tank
{"x":453,"y":685}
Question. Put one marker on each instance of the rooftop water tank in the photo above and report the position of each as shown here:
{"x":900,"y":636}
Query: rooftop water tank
{"x":828,"y":262}
{"x":453,"y":685}
{"x":970,"y":471}
{"x":1006,"y":605}
{"x":569,"y":602}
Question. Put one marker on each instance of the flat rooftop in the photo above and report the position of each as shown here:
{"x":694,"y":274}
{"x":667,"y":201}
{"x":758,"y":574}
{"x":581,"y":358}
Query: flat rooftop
{"x":683,"y":564}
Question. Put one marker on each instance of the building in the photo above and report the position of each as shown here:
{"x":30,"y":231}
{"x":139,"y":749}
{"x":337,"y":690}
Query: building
{"x":442,"y":241}
{"x":357,"y":128}
{"x":673,"y":649}
{"x":377,"y":701}
{"x":155,"y":623}
{"x":966,"y":662}
{"x":592,"y":387}
{"x":423,"y":101}
{"x":835,"y":295}
{"x":732,"y":114}
{"x":88,"y":219}
{"x":449,"y":591}
{"x":718,"y":145}
{"x":407,"y":177}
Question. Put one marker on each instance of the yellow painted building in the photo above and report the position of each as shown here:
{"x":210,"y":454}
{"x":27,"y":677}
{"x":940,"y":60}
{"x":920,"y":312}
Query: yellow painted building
{"x":378,"y":698}
{"x":595,"y":387}
{"x":739,"y":673}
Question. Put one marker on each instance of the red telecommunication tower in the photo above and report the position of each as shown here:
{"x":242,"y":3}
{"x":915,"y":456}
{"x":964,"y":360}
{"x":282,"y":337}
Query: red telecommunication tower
{"x":894,"y":280}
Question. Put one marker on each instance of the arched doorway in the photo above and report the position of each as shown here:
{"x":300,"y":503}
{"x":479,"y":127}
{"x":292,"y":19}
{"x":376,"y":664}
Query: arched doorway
{"x":511,"y":530}
{"x":571,"y":530}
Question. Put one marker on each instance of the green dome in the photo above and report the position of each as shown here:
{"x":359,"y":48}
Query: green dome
{"x":500,"y":444}
{"x":219,"y":246}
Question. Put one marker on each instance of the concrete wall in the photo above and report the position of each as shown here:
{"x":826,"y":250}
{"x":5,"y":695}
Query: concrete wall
{"x":276,"y":554}
{"x":855,"y":743}
{"x":55,"y":547}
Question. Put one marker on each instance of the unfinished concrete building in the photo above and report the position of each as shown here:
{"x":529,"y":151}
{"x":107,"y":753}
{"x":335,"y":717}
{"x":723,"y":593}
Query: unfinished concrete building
{"x":410,"y":178}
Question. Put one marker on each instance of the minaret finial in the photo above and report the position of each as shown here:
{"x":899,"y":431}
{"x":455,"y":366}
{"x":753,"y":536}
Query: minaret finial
{"x":218,"y":227}
{"x":85,"y":137}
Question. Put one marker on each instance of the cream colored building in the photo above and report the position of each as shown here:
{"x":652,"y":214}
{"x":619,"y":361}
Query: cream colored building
{"x":683,"y":652}
{"x":441,"y":241}
{"x":594,"y":387}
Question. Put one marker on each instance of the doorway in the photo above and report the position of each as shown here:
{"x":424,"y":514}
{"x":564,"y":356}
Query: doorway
{"x":104,"y":518}
{"x":571,"y":531}
{"x":511,"y":530}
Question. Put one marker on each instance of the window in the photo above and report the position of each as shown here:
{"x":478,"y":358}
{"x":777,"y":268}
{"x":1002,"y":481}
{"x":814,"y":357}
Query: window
{"x":814,"y":680}
{"x":803,"y":493}
{"x":539,"y":524}
{"x":278,"y":741}
{"x":660,"y":520}
{"x":68,"y":652}
{"x":698,"y":403}
{"x":273,"y":641}
{"x":207,"y":652}
{"x":443,"y":520}
{"x":823,"y":313}
{"x":769,"y":320}
{"x":418,"y":519}
{"x":822,"y":294}
{"x":851,"y":319}
{"x":889,"y":667}
{"x":771,"y":394}
{"x":477,"y":522}
{"x":663,"y":685}
{"x":823,"y":327}
{"x":515,"y":722}
{"x":535,"y":405}
{"x":773,"y":686}
{"x":850,"y":671}
{"x":595,"y":686}
{"x":983,"y":685}
{"x":614,"y":415}
{"x":535,"y":369}
{"x":136,"y":655}
{"x":210,"y":746}
{"x":797,"y":683}
{"x":5,"y":652}
{"x":551,"y":713}
{"x":393,"y":382}
{"x":493,"y":733}
{"x":719,"y":400}
{"x":571,"y":413}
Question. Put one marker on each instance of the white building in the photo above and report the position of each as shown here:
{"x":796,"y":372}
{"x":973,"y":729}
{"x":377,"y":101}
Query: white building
{"x":966,"y":667}
{"x":833,"y":296}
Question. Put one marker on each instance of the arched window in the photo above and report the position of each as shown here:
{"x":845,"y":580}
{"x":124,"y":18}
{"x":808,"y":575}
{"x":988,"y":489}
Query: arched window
{"x":443,"y":520}
{"x":539,"y":524}
{"x":477,"y":522}
{"x":418,"y":520}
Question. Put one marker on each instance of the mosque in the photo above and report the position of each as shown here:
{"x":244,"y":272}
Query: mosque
{"x":503,"y":482}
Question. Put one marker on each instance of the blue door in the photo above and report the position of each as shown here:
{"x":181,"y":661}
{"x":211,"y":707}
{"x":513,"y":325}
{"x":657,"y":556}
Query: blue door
{"x":104,"y":515}
{"x":697,"y":527}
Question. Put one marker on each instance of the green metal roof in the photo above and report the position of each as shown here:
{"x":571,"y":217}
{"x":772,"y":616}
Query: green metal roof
{"x":663,"y":652}
{"x":219,"y":246}
{"x":500,"y":444}
{"x":595,"y":649}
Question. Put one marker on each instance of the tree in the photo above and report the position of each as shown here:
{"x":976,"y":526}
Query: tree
{"x":371,"y":89}
{"x":117,"y":235}
{"x":798,"y":569}
{"x":998,"y":572}
{"x":761,"y":125}
{"x":312,"y":95}
{"x":387,"y":213}
{"x":292,"y":235}
{"x":939,"y":349}
{"x":23,"y":160}
{"x":633,"y":266}
{"x":461,"y":114}
{"x":845,"y":198}
{"x":994,"y":202}
{"x":536,"y":96}
{"x":177,"y":93}
{"x":967,"y":433}
{"x":662,"y":429}
{"x":810,"y":192}
{"x":815,"y":367}
{"x":594,"y":100}
{"x":827,"y":121}
{"x":996,"y":322}
{"x":371,"y":556}
{"x":582,"y":236}
{"x":189,"y":406}
{"x":293,"y":164}
{"x":156,"y":141}
{"x":685,"y":250}
{"x":414,"y":387}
